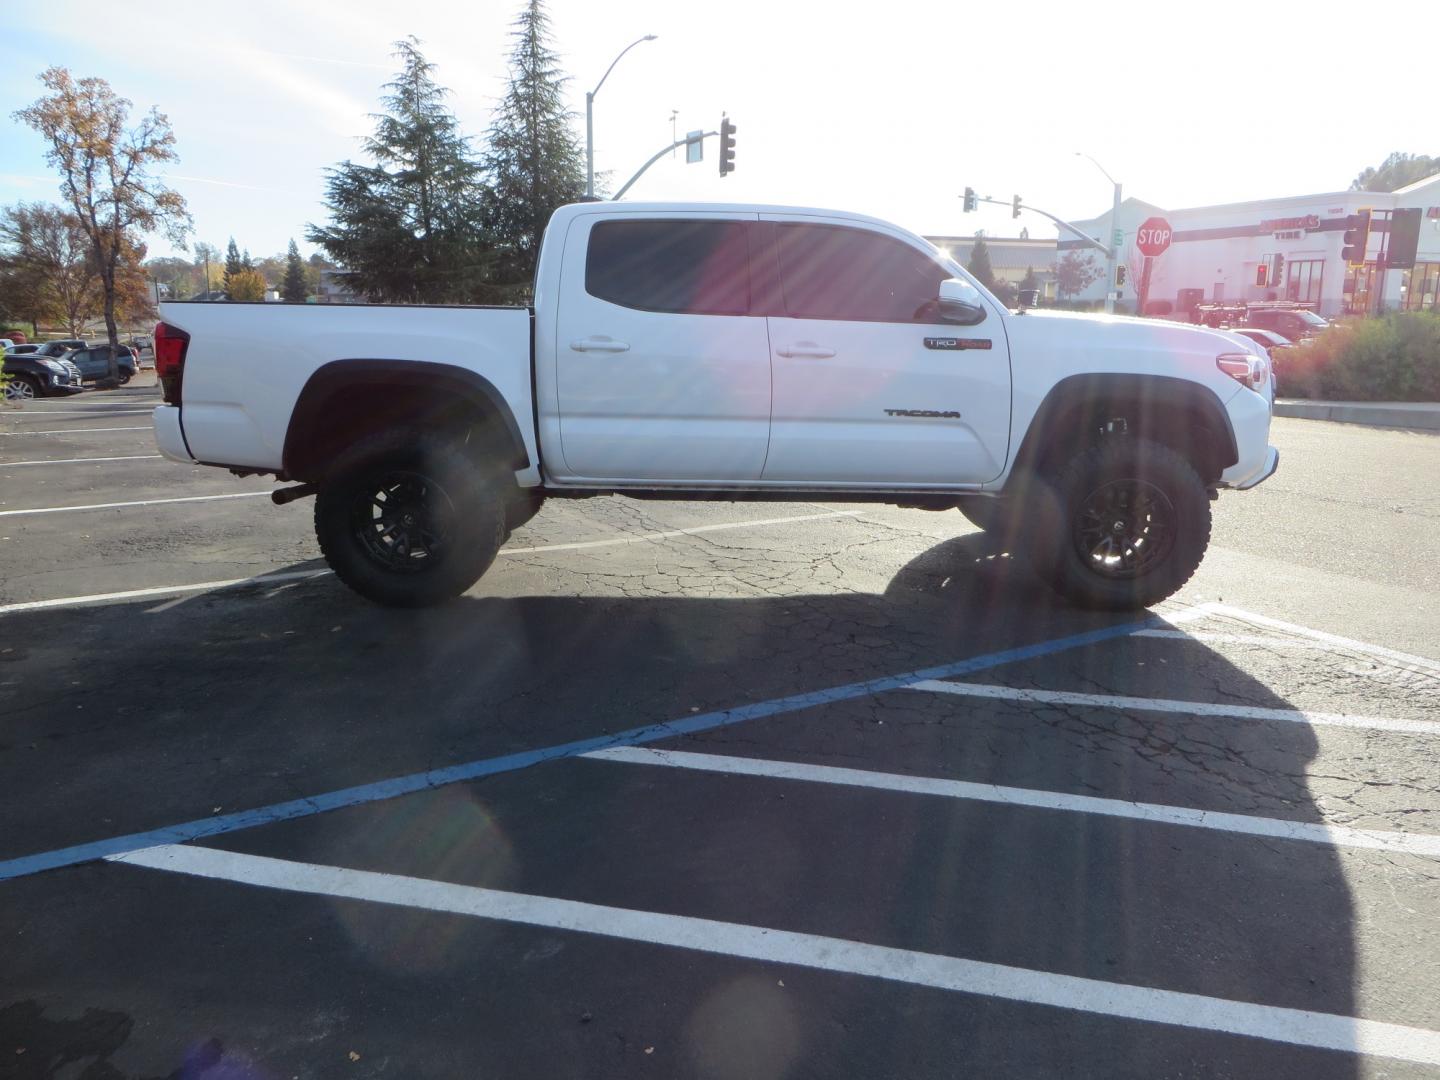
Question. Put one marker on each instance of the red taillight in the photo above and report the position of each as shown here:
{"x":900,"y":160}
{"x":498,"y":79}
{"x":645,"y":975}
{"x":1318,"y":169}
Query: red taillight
{"x":170,"y":345}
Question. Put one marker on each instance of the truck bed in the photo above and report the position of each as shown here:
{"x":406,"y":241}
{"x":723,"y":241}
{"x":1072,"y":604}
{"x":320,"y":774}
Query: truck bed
{"x":247,"y":363}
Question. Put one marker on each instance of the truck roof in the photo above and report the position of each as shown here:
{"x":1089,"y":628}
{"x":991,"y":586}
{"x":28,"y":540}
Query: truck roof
{"x":631,"y":207}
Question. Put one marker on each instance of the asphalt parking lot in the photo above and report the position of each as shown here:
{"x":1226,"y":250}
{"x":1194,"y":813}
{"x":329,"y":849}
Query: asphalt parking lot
{"x":680,"y":789}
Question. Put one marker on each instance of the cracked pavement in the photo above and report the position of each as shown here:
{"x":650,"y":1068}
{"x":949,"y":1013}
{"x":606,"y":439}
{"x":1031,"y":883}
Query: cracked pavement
{"x":137,"y":714}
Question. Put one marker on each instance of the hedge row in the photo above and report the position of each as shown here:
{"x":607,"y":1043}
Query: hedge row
{"x":1395,"y":357}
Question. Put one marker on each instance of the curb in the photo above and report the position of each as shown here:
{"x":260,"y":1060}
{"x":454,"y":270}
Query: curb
{"x":1422,"y":416}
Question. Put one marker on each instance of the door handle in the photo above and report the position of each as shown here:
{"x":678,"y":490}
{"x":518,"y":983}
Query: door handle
{"x":807,"y":350}
{"x":599,"y":344}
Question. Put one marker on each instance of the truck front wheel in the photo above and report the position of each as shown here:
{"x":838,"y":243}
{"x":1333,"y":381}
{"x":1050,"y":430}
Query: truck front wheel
{"x":408,"y":524}
{"x":1130,"y":522}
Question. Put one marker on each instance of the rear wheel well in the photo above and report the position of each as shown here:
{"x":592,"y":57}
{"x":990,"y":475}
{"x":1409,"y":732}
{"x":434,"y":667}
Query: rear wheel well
{"x":343,"y":409}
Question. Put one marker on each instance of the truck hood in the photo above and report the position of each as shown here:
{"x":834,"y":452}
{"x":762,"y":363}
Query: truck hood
{"x":1049,"y":346}
{"x":1082,"y":328}
{"x":1109,"y":325}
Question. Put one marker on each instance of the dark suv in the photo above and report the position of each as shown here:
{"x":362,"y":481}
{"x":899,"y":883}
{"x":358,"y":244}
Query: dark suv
{"x":32,"y":376}
{"x":94,"y":362}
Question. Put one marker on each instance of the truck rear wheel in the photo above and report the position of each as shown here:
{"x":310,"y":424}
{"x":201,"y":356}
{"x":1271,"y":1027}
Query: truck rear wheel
{"x":410,"y":522}
{"x":1129,"y":522}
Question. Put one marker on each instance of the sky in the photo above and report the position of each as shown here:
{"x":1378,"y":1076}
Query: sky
{"x":892,"y":110}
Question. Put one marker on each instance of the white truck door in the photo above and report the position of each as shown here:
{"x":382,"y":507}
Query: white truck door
{"x":662,"y":372}
{"x":872,"y":387}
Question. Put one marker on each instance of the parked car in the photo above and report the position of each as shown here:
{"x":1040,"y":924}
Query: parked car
{"x":144,"y":350}
{"x":6,"y":344}
{"x":21,"y":350}
{"x":1276,"y":346}
{"x":94,"y":362}
{"x":35,"y":376}
{"x":60,"y":348}
{"x":687,"y":351}
{"x":1293,"y":324}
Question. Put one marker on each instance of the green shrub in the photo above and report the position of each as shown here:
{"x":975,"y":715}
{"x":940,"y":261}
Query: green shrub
{"x":1395,"y":357}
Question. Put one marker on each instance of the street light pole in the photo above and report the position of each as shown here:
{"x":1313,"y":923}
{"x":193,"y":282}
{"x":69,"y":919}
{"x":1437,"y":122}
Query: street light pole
{"x":1112,"y":247}
{"x":590,"y":117}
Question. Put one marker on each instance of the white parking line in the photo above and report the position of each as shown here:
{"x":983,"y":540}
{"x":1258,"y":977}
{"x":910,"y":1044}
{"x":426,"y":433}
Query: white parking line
{"x":1293,"y":1026}
{"x":80,"y":460}
{"x":141,"y":502}
{"x":130,"y":594}
{"x":643,"y":538}
{"x":1187,"y":708}
{"x":78,"y":431}
{"x":113,"y":410}
{"x":160,"y":590}
{"x":1278,"y":828}
{"x":1223,"y":638}
{"x":1408,"y":659}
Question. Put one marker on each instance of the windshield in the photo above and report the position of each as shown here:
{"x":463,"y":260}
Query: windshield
{"x":1311,"y":319}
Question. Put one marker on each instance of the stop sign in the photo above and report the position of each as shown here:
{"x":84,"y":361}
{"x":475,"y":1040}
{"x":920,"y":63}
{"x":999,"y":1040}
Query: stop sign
{"x":1153,"y":237}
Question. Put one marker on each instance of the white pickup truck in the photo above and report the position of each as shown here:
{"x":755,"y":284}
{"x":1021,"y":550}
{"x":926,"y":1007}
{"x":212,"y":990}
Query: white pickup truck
{"x":683,"y":351}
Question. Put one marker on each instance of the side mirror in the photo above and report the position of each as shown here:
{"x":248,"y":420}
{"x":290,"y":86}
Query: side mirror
{"x":1029,"y":297}
{"x":960,"y":303}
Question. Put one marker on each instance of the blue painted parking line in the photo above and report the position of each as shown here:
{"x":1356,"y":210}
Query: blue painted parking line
{"x":26,"y":865}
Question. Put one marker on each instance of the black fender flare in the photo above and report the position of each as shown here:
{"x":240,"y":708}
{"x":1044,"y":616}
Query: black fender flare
{"x":1092,"y":399}
{"x":429,"y":377}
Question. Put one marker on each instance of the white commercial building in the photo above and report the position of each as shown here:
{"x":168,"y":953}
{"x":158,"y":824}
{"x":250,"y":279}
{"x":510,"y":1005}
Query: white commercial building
{"x":1272,"y":249}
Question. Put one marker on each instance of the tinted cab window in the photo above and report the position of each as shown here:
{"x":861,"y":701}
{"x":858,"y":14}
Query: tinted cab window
{"x":832,"y":272}
{"x":681,"y":267}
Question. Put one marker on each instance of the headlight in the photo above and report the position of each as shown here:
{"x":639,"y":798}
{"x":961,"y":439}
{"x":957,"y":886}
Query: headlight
{"x":1245,"y":368}
{"x":54,"y":365}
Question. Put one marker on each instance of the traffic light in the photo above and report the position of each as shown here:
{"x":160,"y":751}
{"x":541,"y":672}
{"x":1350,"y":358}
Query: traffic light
{"x":1015,"y":206}
{"x":1357,"y":235}
{"x":1261,"y":274}
{"x":1121,"y":273}
{"x":969,"y":199}
{"x":1277,"y":271}
{"x":727,"y":146}
{"x":1404,"y":239}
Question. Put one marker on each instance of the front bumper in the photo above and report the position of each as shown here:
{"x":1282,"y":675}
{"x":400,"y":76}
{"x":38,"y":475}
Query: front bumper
{"x":1256,"y":458}
{"x":1272,"y":462}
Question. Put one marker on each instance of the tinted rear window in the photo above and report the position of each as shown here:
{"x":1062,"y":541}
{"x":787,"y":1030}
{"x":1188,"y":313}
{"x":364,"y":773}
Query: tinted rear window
{"x":691,"y":267}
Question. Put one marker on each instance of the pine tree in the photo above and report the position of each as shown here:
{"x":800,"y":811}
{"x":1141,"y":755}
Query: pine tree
{"x":979,"y":264}
{"x":295,"y":288}
{"x":536,"y":163}
{"x":408,"y":228}
{"x":233,"y":265}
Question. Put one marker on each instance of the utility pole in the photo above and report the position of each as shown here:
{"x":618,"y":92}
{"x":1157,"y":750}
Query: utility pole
{"x":1112,"y":255}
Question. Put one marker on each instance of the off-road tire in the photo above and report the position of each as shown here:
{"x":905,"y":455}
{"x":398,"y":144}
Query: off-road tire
{"x":521,"y":508}
{"x":1121,"y":526}
{"x":990,"y":515}
{"x":376,"y":508}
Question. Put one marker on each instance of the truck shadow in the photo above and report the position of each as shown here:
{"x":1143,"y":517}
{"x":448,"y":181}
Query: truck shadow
{"x":243,"y":698}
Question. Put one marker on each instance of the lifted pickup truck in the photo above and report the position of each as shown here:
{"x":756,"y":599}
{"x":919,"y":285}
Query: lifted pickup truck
{"x":724,"y":352}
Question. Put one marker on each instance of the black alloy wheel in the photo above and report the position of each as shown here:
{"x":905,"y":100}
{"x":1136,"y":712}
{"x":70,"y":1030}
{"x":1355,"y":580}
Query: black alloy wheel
{"x":403,"y":520}
{"x":1124,"y":528}
{"x":1120,"y":526}
{"x":409,"y":519}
